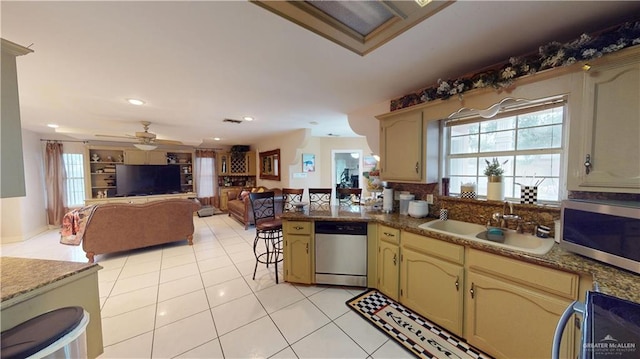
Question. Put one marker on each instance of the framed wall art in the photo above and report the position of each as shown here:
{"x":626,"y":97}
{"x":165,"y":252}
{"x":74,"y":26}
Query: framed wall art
{"x":308,"y":162}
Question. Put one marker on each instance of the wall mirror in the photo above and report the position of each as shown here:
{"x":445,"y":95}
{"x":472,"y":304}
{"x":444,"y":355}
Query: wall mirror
{"x":270,"y":165}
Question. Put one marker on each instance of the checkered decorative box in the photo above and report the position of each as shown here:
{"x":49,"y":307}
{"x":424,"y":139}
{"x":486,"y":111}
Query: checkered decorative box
{"x":528,"y":194}
{"x":470,"y":195}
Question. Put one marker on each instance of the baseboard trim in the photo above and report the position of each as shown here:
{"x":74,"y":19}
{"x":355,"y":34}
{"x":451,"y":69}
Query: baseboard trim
{"x":21,"y":238}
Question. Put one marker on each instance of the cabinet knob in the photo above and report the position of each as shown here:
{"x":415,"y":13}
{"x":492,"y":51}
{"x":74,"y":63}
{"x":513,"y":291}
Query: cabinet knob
{"x":297,"y":228}
{"x":417,"y":166}
{"x":457,"y":284}
{"x":395,"y":259}
{"x":587,"y":164}
{"x":307,"y":248}
{"x":472,"y":291}
{"x":389,"y":234}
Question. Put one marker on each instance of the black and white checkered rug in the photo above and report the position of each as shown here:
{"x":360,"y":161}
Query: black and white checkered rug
{"x":415,"y":333}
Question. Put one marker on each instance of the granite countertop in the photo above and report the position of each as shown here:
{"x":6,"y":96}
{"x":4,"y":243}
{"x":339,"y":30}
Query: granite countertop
{"x":611,"y":280}
{"x":23,"y":275}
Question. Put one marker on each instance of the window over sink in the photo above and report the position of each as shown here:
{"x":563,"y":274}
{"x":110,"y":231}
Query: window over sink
{"x":528,"y":138}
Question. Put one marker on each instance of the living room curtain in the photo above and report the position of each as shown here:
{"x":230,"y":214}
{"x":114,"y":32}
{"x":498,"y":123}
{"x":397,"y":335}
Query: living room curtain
{"x":55,"y":174}
{"x":206,"y":178}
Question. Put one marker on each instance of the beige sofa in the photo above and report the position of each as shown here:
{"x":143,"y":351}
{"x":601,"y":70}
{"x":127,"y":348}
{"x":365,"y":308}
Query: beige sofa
{"x":239,"y":206}
{"x":116,"y":227}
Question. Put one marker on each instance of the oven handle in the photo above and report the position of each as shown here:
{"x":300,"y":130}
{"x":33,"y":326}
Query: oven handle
{"x":574,"y":308}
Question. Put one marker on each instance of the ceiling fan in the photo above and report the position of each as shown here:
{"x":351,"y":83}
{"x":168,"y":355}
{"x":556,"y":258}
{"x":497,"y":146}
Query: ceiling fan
{"x":147,"y":141}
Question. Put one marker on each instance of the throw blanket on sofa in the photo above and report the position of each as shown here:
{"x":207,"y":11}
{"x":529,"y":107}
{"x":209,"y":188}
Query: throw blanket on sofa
{"x":73,"y":225}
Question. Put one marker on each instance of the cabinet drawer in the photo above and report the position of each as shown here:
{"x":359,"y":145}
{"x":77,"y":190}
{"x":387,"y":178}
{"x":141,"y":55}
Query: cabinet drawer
{"x":550,"y":280}
{"x":298,"y":227}
{"x":435,"y":247}
{"x":388,"y":234}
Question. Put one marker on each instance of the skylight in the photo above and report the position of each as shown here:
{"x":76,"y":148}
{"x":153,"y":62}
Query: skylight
{"x":360,"y":26}
{"x":361,"y":16}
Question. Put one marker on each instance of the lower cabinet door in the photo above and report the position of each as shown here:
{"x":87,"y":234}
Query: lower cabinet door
{"x":433,"y":288}
{"x":297,"y":259}
{"x":512,"y":321}
{"x":388,"y":269}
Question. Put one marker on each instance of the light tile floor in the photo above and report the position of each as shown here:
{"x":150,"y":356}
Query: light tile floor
{"x":181,"y":301}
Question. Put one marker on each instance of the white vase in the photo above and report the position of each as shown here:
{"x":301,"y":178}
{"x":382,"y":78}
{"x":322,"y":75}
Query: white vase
{"x":494,"y":188}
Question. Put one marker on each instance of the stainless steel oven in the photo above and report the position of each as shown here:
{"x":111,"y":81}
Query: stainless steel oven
{"x":610,"y":327}
{"x":608,"y":231}
{"x":341,"y":253}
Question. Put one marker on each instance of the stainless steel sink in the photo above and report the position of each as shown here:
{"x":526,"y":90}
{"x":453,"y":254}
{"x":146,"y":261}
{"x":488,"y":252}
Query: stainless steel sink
{"x":476,"y":232}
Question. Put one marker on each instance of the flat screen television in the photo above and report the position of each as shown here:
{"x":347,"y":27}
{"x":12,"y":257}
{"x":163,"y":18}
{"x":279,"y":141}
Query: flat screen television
{"x":142,"y":180}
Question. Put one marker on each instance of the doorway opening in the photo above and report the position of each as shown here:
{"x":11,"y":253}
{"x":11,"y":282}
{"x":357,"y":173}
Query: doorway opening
{"x":346,"y":168}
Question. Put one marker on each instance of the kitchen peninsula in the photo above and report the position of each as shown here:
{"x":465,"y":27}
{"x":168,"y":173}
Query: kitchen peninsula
{"x":30,"y":287}
{"x":481,"y":289}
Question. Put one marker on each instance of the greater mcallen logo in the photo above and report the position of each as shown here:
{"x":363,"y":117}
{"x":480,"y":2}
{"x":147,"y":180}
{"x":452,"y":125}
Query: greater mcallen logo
{"x":610,"y":345}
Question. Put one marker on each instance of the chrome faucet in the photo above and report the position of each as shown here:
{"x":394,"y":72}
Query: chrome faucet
{"x":503,"y":217}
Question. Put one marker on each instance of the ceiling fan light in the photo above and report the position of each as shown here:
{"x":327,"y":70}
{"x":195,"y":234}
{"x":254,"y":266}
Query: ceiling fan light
{"x":135,"y":101}
{"x":145,"y":147}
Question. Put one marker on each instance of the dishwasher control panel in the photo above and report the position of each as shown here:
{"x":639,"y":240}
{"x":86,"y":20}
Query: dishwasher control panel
{"x":349,"y":228}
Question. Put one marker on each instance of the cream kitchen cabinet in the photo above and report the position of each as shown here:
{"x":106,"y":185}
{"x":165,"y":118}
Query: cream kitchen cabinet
{"x":432,"y":279}
{"x":388,"y":261}
{"x":298,"y":251}
{"x":604,"y":150}
{"x":512,"y":307}
{"x":138,"y":157}
{"x":408,"y":147}
{"x":236,"y":164}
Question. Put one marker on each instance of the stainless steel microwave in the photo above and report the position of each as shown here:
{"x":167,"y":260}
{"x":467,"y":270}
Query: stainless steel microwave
{"x":607,"y":231}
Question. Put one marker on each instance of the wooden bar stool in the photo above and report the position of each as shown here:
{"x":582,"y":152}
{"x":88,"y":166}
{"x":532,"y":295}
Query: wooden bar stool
{"x":268,"y":230}
{"x":349,"y":196}
{"x":291,"y":195}
{"x":319,"y":199}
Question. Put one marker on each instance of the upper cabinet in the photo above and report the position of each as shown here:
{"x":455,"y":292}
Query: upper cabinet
{"x":408,"y":147}
{"x":138,"y":157}
{"x":604,"y":149}
{"x":236,"y":163}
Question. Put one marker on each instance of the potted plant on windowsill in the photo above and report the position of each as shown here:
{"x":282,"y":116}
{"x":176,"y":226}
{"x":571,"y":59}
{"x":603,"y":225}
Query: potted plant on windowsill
{"x":494,"y":172}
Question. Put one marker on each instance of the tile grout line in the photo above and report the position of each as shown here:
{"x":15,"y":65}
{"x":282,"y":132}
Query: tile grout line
{"x":215,"y":327}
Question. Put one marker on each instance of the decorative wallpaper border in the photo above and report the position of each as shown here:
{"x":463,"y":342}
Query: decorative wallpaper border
{"x":551,"y":55}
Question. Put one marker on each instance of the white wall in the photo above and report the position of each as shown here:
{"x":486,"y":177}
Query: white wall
{"x":365,"y":123}
{"x":25,"y":217}
{"x":294,"y":144}
{"x":288,"y":144}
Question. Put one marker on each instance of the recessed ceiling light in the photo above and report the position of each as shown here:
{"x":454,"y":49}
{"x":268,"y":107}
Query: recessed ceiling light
{"x":248,"y":118}
{"x":216,"y":138}
{"x":135,"y":101}
{"x":53,"y":125}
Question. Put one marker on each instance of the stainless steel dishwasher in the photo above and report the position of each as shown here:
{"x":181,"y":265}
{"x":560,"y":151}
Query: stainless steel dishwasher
{"x":341,"y":253}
